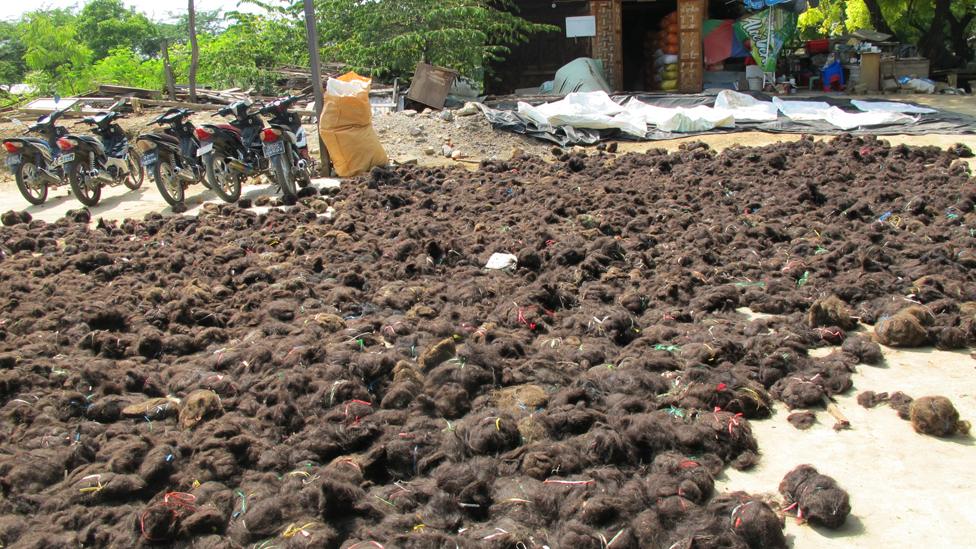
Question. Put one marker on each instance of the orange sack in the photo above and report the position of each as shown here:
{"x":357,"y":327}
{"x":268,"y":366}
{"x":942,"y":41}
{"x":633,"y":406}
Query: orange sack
{"x":346,"y":126}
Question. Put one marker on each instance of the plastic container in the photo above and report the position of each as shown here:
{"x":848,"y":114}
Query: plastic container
{"x":818,"y":46}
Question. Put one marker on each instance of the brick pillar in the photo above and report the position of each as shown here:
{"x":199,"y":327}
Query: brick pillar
{"x":608,"y":42}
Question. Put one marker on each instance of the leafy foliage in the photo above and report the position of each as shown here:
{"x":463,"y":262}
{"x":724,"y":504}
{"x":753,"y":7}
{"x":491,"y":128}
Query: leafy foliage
{"x":124,"y":66}
{"x":68,"y":51}
{"x":58,"y":60}
{"x":12,"y":66}
{"x":106,"y":25}
{"x":388,"y":37}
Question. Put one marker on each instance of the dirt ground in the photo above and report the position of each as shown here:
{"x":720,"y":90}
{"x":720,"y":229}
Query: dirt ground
{"x":905,"y":488}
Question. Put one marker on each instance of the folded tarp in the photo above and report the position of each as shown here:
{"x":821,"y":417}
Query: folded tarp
{"x":580,"y":75}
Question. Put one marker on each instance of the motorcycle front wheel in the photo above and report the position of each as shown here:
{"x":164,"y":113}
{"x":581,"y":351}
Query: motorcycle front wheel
{"x":86,"y":189}
{"x":283,"y":175}
{"x":137,"y":173}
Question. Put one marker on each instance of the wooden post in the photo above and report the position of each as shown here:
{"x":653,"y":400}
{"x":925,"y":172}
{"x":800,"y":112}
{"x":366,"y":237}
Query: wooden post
{"x":168,"y":71}
{"x":325,"y":163}
{"x":691,"y":14}
{"x":194,"y":51}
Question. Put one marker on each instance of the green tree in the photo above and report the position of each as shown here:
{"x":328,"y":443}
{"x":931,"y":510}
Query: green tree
{"x":12,"y":66}
{"x":58,"y":60}
{"x":389,"y":37}
{"x":123,"y":66}
{"x":942,"y":29}
{"x":105,"y":25}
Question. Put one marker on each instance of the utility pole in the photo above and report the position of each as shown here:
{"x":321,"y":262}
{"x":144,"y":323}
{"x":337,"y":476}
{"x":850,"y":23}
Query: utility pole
{"x":194,"y":50}
{"x":325,"y":163}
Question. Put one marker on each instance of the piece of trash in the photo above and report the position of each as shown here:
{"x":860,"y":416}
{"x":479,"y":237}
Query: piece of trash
{"x":499,"y":261}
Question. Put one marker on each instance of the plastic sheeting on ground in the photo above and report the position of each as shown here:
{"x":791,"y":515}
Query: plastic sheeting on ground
{"x":819,"y":110}
{"x":673,"y":116}
{"x":591,"y":110}
{"x":680,"y":119}
{"x":890,"y":106}
{"x":746,"y":108}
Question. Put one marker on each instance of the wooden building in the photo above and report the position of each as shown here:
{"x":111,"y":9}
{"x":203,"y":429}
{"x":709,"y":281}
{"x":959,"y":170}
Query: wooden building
{"x":618,"y":40}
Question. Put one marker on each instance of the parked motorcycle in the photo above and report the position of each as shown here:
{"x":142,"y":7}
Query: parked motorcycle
{"x":36,"y":162}
{"x":285,"y":145}
{"x":232,"y":152}
{"x":89,"y":163}
{"x":171,"y":155}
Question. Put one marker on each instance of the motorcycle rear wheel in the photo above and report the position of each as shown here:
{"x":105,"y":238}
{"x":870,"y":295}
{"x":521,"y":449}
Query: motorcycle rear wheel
{"x":27,"y":183}
{"x":221,"y":178}
{"x":169,"y":184}
{"x":86,"y":189}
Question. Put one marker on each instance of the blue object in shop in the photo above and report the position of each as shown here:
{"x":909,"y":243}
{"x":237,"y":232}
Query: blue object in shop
{"x":831,"y":74}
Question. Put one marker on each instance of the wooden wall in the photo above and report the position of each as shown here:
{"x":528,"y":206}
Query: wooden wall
{"x":537,"y":61}
{"x":608,"y":44}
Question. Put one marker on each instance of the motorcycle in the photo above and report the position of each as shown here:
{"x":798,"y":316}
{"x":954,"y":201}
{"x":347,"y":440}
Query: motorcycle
{"x":232,"y":152}
{"x":171,"y":155}
{"x":36,"y":162}
{"x":285,"y":145}
{"x":90,"y":163}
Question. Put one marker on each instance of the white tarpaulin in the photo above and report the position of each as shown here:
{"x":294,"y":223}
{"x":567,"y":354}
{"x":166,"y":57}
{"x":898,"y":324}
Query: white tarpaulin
{"x":851,"y":120}
{"x":802,"y":110}
{"x":818,"y":110}
{"x":890,"y":106}
{"x":597,"y":111}
{"x":680,"y":119}
{"x":593,"y":110}
{"x":745,"y":108}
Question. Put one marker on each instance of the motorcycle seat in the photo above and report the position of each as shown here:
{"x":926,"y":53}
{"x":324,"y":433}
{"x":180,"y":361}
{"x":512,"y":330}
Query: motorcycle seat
{"x":161,"y":137}
{"x":35,"y":141}
{"x":230,"y":128}
{"x":89,"y":139}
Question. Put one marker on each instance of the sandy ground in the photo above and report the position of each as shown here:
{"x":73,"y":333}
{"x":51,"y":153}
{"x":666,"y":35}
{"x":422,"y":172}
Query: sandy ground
{"x":907,"y":490}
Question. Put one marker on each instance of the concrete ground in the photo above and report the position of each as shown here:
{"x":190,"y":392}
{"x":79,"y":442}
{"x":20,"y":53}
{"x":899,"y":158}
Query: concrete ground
{"x":907,"y":490}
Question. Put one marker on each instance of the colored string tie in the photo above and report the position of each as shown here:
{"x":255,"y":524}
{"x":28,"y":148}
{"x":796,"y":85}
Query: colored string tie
{"x":734,"y":422}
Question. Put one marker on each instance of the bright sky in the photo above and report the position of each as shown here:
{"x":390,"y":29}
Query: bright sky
{"x":154,"y":9}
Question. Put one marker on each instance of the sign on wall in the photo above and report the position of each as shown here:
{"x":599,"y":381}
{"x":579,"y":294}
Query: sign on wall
{"x":577,"y":27}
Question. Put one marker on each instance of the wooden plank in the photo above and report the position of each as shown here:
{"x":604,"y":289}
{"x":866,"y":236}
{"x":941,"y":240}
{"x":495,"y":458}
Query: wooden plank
{"x":180,"y":104}
{"x":691,"y":14}
{"x":68,"y":114}
{"x":112,"y":89}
